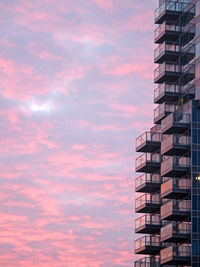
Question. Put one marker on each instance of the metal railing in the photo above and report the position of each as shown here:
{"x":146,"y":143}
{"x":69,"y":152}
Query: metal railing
{"x":175,"y":183}
{"x":175,"y":228}
{"x":166,"y":27}
{"x":172,"y":88}
{"x":148,"y":136}
{"x":165,"y":48}
{"x":147,"y":178}
{"x":175,"y":139}
{"x":162,"y":108}
{"x":148,"y":262}
{"x":176,"y":118}
{"x":147,"y":241}
{"x":147,"y":157}
{"x":169,"y":6}
{"x":173,"y":251}
{"x":147,"y":219}
{"x":175,"y":205}
{"x":147,"y":199}
{"x":165,"y":67}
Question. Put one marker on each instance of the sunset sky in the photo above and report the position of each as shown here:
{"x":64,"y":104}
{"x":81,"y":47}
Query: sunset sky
{"x":76,"y":85}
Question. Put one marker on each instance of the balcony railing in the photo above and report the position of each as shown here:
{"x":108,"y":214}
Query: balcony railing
{"x":147,"y":201}
{"x":165,"y":48}
{"x":147,"y":243}
{"x":175,"y":188}
{"x":175,"y":166}
{"x":148,"y":141}
{"x":169,"y":6}
{"x":176,"y":254}
{"x":147,"y":183}
{"x":175,"y":209}
{"x":163,"y":28}
{"x":164,"y":68}
{"x":147,"y":162}
{"x":148,"y":262}
{"x":175,"y":122}
{"x":175,"y":231}
{"x":148,"y":224}
{"x":166,"y":92}
{"x":163,"y":110}
{"x":175,"y":145}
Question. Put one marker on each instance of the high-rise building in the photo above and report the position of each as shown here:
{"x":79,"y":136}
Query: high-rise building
{"x":170,"y":163}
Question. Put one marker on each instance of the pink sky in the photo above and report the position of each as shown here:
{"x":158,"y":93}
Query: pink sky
{"x":76,"y":85}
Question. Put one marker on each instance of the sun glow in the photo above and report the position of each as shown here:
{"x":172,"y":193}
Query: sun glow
{"x":40,"y":108}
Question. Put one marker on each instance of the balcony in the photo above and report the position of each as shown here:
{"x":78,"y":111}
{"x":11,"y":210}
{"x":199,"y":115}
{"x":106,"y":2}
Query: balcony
{"x":176,"y":255}
{"x":148,"y":262}
{"x":148,"y":224}
{"x":175,"y":145}
{"x":166,"y":72}
{"x":148,"y":163}
{"x":177,"y":123}
{"x":166,"y":32}
{"x":175,"y":188}
{"x":148,"y":204}
{"x":148,"y":142}
{"x":148,"y":245}
{"x":166,"y":52}
{"x":175,"y":166}
{"x":176,"y":232}
{"x":162,"y":111}
{"x":188,"y":91}
{"x":166,"y":93}
{"x":168,"y":11}
{"x":175,"y":210}
{"x":148,"y":183}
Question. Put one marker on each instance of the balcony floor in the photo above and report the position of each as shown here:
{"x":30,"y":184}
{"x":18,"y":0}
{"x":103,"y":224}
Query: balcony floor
{"x":167,"y":16}
{"x":148,"y":208}
{"x":148,"y":229}
{"x":175,"y":128}
{"x":176,"y":216}
{"x":170,"y":36}
{"x":148,"y":167}
{"x":167,"y":76}
{"x":175,"y":171}
{"x":149,"y":146}
{"x":175,"y":193}
{"x":176,"y":238}
{"x":166,"y":97}
{"x":180,"y":260}
{"x":167,"y":56}
{"x":148,"y":187}
{"x":175,"y":150}
{"x":149,"y":250}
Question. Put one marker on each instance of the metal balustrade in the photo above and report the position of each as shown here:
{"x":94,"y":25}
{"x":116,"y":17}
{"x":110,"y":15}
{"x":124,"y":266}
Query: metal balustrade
{"x":175,"y":166}
{"x":175,"y":188}
{"x":148,"y":245}
{"x":148,"y":224}
{"x":147,"y":262}
{"x":163,"y":110}
{"x":175,"y":209}
{"x":176,"y":254}
{"x":148,"y":142}
{"x":147,"y":162}
{"x":165,"y":31}
{"x":166,"y":72}
{"x":166,"y":52}
{"x":148,"y":203}
{"x":147,"y":183}
{"x":166,"y":92}
{"x":176,"y":232}
{"x":175,"y":123}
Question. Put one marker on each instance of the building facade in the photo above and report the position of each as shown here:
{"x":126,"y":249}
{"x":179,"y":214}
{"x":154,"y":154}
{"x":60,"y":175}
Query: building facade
{"x":170,"y":161}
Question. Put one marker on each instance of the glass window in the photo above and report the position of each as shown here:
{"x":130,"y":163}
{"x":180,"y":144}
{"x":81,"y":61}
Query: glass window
{"x":194,"y":224}
{"x":194,"y":202}
{"x":194,"y":247}
{"x":194,"y":157}
{"x":194,"y":115}
{"x":194,"y":136}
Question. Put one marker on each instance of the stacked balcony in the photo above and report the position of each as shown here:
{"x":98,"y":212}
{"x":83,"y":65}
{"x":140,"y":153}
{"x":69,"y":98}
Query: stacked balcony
{"x":176,"y":210}
{"x":177,"y":145}
{"x":162,"y":111}
{"x":177,"y":123}
{"x":166,"y":93}
{"x":167,"y":72}
{"x":176,"y":255}
{"x":166,"y":52}
{"x":166,"y":162}
{"x":148,"y":183}
{"x":176,"y":232}
{"x":148,"y":224}
{"x":150,"y":245}
{"x":169,"y":31}
{"x":175,"y":166}
{"x":169,"y":11}
{"x":148,"y":142}
{"x":175,"y":188}
{"x":148,"y":163}
{"x":148,"y":203}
